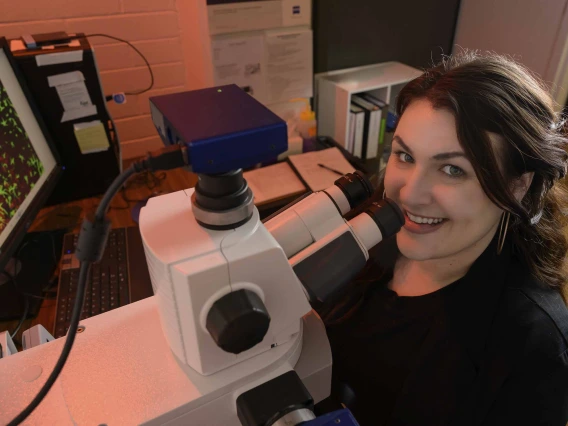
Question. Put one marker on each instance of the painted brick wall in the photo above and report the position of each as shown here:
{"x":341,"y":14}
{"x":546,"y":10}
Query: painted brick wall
{"x":153,"y":26}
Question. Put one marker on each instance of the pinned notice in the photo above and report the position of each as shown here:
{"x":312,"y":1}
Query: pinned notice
{"x":73,"y":95}
{"x":91,"y":137}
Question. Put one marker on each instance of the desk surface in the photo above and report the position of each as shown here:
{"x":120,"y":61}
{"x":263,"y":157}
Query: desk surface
{"x":70,"y":216}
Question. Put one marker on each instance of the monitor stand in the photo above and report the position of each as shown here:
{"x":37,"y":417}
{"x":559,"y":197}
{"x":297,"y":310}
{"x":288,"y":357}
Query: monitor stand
{"x":33,"y":266}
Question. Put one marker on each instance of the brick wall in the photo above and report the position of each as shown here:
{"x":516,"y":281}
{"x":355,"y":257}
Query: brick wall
{"x":153,"y":26}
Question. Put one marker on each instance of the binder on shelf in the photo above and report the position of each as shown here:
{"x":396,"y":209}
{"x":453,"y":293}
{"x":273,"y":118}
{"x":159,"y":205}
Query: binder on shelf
{"x":356,"y":125}
{"x":384,"y":115}
{"x":372,"y":126}
{"x":335,"y":89}
{"x":384,"y":107}
{"x":351,"y":132}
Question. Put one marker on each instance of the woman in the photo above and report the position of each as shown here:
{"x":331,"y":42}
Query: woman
{"x":460,"y":319}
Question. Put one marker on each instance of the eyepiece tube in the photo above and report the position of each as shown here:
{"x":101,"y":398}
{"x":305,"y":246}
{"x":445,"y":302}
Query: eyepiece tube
{"x":330,"y":263}
{"x":382,"y":219}
{"x":350,"y":191}
{"x":387,"y":215}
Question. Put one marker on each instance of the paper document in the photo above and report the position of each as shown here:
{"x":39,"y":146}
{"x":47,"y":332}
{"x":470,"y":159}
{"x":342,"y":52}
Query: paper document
{"x":239,"y":60}
{"x":73,"y":95}
{"x":74,"y":114}
{"x":289,"y":65}
{"x":91,"y":137}
{"x":59,"y":58}
{"x":274,"y":182}
{"x":319,"y":178}
{"x":65,"y":78}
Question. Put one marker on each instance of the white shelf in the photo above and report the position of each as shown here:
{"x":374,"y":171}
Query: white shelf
{"x":334,"y":90}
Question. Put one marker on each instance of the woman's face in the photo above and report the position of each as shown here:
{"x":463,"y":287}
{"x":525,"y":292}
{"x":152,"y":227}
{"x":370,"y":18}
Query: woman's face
{"x":428,"y":175}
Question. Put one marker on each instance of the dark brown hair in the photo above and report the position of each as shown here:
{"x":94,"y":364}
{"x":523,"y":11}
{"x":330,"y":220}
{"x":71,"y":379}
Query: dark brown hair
{"x":494,"y":94}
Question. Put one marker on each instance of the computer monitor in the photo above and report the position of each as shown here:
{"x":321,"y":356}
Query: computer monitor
{"x":28,"y":162}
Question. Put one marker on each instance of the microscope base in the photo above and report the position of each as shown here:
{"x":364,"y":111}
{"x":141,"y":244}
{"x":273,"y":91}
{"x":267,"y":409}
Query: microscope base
{"x":122,"y":371}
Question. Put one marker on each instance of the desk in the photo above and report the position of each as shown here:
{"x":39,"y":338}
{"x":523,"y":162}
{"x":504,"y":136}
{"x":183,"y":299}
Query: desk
{"x":70,"y":216}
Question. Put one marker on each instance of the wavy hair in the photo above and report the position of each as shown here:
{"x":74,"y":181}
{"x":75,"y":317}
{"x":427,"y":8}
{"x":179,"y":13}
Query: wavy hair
{"x":494,"y":94}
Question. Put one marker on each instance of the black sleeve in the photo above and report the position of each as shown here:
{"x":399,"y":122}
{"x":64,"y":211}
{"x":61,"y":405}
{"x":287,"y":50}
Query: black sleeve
{"x":536,"y":396}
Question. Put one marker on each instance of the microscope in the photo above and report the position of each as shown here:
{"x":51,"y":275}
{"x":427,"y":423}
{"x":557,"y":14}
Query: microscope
{"x":229,"y":337}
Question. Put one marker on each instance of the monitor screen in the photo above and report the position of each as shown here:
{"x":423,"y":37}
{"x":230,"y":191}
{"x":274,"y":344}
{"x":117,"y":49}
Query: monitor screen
{"x":26,"y":159}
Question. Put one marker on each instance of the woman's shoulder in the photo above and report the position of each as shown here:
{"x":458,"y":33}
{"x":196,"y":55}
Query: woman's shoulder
{"x":534,"y":312}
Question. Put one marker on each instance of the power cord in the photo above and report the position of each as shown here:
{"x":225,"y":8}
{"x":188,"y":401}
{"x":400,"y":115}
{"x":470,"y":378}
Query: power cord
{"x":12,"y":279}
{"x":90,"y":248}
{"x":23,"y":319}
{"x":17,"y":266}
{"x":148,"y":178}
{"x":139,"y":92}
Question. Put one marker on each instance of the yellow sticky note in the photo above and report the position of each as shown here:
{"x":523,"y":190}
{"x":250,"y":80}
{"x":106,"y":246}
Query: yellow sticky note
{"x":91,"y":137}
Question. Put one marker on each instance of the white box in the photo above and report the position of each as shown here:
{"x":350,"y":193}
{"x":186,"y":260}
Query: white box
{"x":230,"y":16}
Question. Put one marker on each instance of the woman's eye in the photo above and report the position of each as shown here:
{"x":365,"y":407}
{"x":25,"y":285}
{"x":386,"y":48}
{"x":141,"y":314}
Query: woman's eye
{"x":404,"y":157}
{"x":453,"y":171}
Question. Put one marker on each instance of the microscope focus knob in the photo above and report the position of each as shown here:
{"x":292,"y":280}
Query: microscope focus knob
{"x":238,"y":321}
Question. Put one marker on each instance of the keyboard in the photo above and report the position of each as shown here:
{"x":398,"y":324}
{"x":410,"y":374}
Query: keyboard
{"x":108,"y":285}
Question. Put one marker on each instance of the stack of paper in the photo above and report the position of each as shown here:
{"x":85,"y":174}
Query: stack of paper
{"x":317,"y":177}
{"x":273,"y":183}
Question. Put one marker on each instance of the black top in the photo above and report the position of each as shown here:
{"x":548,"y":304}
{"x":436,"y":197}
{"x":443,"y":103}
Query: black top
{"x":374,"y":351}
{"x":490,"y":349}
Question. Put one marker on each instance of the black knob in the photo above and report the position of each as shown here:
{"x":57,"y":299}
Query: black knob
{"x":238,"y":321}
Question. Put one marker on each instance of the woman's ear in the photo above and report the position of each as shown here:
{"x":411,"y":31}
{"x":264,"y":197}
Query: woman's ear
{"x":522,"y":185}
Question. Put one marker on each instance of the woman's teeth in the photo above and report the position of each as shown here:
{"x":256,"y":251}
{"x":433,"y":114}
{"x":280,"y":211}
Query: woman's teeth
{"x":418,"y":219}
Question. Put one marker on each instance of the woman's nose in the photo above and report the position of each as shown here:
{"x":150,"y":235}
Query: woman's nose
{"x":416,"y":189}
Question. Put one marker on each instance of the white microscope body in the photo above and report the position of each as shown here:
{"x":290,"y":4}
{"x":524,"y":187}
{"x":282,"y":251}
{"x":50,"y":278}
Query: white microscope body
{"x":192,"y":267}
{"x":125,"y":369}
{"x":230,"y":310}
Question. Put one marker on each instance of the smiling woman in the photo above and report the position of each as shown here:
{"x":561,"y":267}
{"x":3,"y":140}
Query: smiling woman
{"x":430,"y":176}
{"x":459,"y":319}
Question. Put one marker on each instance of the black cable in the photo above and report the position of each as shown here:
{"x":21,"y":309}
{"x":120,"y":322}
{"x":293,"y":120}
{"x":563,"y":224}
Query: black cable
{"x":12,"y":278}
{"x":92,"y":233}
{"x":114,"y":187}
{"x":24,"y":317}
{"x":136,"y":50}
{"x":148,"y":178}
{"x":17,"y":267}
{"x":77,"y":307}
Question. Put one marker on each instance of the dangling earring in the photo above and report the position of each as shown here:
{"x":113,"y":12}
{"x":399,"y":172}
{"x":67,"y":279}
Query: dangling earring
{"x":503,"y":231}
{"x":384,"y":193}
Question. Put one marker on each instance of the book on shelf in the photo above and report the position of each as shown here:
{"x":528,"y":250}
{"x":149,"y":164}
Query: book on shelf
{"x":384,"y":107}
{"x":356,"y":125}
{"x":372,"y":126}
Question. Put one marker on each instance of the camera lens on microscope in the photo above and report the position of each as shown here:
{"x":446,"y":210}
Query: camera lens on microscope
{"x":356,"y":188}
{"x":222,"y":200}
{"x":222,"y":191}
